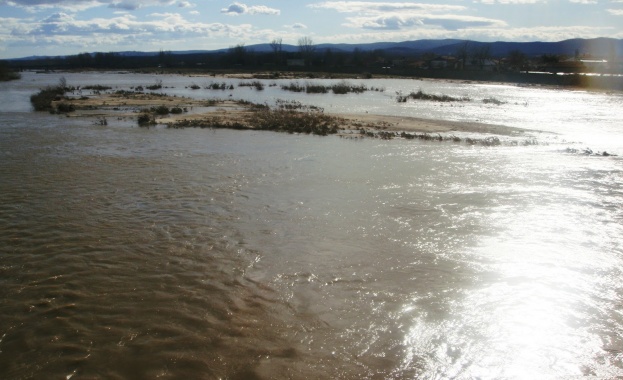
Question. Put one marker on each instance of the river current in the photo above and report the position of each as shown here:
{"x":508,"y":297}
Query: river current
{"x":139,"y":253}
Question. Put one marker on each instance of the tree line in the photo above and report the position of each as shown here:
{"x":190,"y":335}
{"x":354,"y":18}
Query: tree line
{"x":307,"y":56}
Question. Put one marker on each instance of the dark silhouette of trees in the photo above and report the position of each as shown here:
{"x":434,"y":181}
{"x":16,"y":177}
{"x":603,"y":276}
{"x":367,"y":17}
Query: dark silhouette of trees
{"x":277,"y":46}
{"x":238,"y":55}
{"x":307,"y":49}
{"x":166,"y":59}
{"x":516,"y":60}
{"x":462,"y":54}
{"x":481,"y":54}
{"x":550,"y":58}
{"x":6,"y":73}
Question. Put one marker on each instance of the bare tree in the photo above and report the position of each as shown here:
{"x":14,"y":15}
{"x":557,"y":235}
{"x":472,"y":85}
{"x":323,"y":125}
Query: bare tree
{"x":277,"y":46}
{"x":462,"y":53}
{"x":306,"y":48}
{"x":482,"y":54}
{"x":238,"y":54}
{"x":516,"y":59}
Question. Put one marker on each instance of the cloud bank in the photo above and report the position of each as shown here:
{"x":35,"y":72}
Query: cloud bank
{"x":236,"y":9}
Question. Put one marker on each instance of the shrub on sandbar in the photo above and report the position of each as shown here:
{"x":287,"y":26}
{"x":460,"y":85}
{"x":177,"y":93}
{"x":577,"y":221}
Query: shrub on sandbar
{"x":42,"y":101}
{"x":145,"y":120}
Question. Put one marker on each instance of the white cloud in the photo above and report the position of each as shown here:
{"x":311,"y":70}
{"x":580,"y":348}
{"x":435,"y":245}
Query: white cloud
{"x":584,"y":1}
{"x":375,"y":7}
{"x":512,"y":1}
{"x":485,"y":34}
{"x":67,"y":33}
{"x":403,"y":16}
{"x":61,"y":29}
{"x":80,"y":5}
{"x":397,"y":21}
{"x":239,"y":9}
{"x":235,"y":8}
{"x":616,"y":12}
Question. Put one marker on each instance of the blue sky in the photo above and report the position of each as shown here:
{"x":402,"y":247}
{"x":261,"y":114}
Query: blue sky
{"x":59,"y":27}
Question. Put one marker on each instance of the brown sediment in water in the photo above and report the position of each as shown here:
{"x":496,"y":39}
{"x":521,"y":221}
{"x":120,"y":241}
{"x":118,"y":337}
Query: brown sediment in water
{"x":201,"y":113}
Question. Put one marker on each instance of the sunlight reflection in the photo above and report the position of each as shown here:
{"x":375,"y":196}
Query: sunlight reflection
{"x":530,"y":315}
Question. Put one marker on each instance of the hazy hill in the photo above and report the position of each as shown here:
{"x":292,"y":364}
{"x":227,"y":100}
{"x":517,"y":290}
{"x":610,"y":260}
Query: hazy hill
{"x":596,"y":46}
{"x":604,"y":47}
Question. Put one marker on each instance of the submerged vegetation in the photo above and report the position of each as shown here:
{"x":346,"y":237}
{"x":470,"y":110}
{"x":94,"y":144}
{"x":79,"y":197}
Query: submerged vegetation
{"x":493,"y":101}
{"x":219,"y":86}
{"x":420,"y":95}
{"x":256,"y":84}
{"x":150,"y":109}
{"x":155,"y":86}
{"x":96,"y":87}
{"x":340,"y":88}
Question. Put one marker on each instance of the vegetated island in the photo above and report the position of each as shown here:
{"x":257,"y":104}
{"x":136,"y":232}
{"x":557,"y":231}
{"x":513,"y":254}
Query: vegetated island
{"x":7,"y":73}
{"x":148,"y":109}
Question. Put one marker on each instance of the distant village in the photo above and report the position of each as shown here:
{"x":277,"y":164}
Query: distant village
{"x":518,"y":62}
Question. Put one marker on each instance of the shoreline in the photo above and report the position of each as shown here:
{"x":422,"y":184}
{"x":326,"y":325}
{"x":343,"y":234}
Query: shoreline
{"x":569,"y":82}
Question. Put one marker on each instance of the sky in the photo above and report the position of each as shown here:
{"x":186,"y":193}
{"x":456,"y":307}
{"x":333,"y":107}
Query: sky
{"x":63,"y":27}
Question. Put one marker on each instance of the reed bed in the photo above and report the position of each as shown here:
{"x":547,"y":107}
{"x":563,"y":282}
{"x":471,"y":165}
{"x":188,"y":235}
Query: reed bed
{"x":340,"y":88}
{"x":420,"y":95}
{"x":255,"y":84}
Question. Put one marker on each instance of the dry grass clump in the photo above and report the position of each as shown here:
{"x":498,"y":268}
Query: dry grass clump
{"x":420,"y":95}
{"x":260,"y":117}
{"x":291,"y":121}
{"x":146,"y":119}
{"x":155,"y":86}
{"x":256,"y":84}
{"x":215,"y":122}
{"x":340,"y":88}
{"x":96,"y":87}
{"x":495,"y":101}
{"x":219,"y":86}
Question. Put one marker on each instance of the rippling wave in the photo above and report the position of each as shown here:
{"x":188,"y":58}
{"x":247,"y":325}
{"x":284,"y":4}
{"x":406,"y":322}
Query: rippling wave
{"x":135,"y":253}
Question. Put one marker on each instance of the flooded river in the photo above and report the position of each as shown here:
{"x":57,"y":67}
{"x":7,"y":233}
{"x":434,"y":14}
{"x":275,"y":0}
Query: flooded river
{"x":214,"y":254}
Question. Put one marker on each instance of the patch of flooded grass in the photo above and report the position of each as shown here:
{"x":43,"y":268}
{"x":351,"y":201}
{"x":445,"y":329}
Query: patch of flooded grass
{"x":340,"y":88}
{"x":420,"y":95}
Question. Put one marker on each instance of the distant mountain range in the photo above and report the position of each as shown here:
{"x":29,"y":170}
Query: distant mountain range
{"x":600,"y":47}
{"x":596,"y":46}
